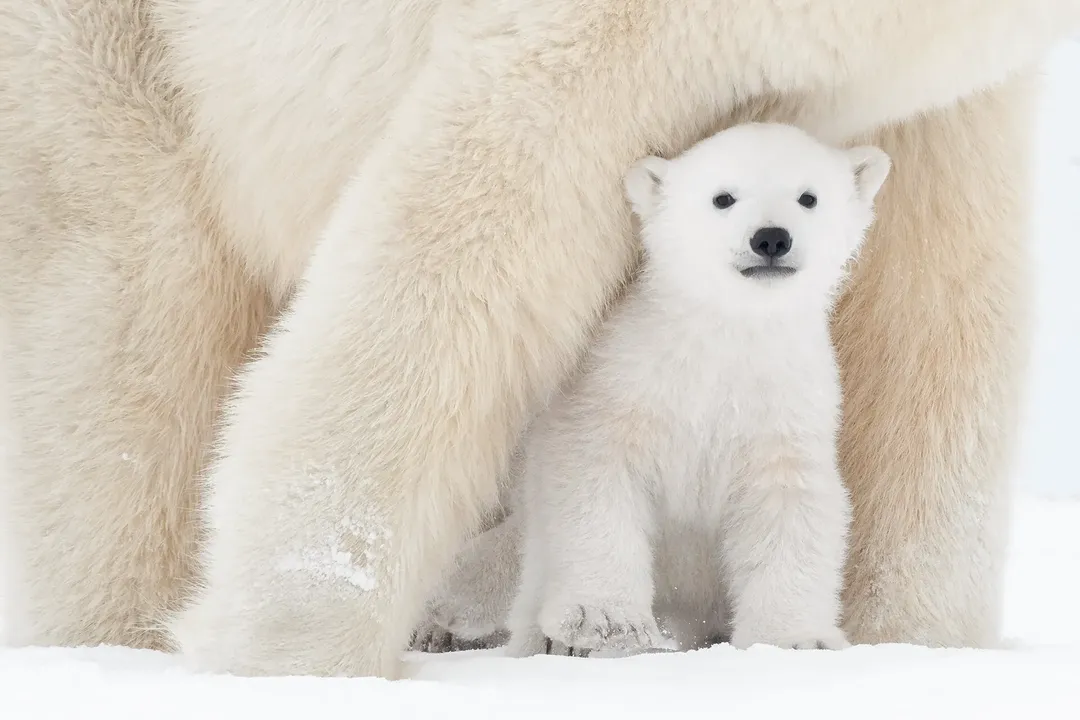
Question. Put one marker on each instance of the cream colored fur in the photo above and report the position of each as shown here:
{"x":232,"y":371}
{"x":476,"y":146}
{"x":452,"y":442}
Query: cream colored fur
{"x":435,"y":187}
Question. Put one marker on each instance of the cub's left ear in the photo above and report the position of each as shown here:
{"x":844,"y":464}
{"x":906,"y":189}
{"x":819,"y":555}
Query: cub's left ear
{"x":871,"y":166}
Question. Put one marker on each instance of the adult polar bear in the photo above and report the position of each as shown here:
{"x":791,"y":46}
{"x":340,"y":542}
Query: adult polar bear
{"x":173,"y":171}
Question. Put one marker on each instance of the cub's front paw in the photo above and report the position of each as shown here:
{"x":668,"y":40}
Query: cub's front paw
{"x":609,"y":626}
{"x":827,"y":639}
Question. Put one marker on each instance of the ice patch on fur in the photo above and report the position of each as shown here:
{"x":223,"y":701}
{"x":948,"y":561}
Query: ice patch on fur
{"x":332,"y":560}
{"x":328,"y":564}
{"x":352,"y":555}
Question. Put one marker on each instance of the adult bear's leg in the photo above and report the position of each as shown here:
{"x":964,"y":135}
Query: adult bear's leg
{"x":932,"y":340}
{"x":123,"y":315}
{"x":115,"y":371}
{"x":456,"y":286}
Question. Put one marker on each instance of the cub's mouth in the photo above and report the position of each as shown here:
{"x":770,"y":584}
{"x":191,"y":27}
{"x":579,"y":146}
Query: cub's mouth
{"x":767,"y":271}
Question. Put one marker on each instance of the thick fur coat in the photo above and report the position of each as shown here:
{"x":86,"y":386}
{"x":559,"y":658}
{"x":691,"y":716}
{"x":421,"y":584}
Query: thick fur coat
{"x":412,"y":210}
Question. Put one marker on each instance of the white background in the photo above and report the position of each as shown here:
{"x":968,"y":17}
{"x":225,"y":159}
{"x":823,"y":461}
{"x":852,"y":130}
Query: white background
{"x":1048,"y":461}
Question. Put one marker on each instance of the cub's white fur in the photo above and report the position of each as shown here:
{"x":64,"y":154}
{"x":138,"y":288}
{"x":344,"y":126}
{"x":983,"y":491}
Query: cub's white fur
{"x":700,"y":438}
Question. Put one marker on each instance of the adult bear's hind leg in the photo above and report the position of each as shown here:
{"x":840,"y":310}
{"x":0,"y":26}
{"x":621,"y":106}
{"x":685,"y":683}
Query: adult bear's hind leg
{"x":114,"y":390}
{"x":124,"y":315}
{"x":932,"y":345}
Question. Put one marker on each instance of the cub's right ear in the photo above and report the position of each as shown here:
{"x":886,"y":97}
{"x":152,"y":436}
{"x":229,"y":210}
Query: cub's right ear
{"x":643,"y":183}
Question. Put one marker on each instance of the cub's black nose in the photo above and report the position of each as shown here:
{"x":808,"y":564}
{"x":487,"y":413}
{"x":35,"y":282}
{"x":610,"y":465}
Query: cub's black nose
{"x":771,"y":242}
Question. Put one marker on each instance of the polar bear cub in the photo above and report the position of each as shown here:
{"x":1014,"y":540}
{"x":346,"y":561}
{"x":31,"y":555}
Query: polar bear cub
{"x":689,"y":470}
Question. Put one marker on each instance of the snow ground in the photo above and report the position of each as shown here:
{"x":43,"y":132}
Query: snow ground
{"x":1038,"y":675}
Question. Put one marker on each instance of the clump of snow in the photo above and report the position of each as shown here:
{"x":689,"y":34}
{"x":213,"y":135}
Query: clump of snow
{"x":330,"y":560}
{"x":329,"y":563}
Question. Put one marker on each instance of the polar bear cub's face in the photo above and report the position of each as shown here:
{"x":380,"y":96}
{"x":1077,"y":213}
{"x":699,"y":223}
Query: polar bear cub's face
{"x":760,"y":212}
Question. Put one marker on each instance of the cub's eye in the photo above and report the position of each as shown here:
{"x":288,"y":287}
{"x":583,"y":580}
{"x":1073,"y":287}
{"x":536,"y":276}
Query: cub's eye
{"x":808,"y":200}
{"x":723,"y":201}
